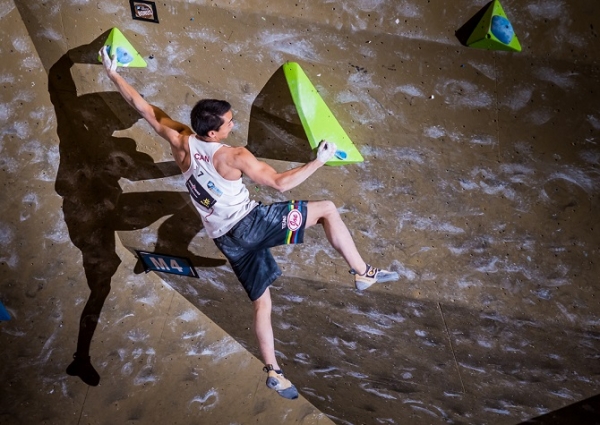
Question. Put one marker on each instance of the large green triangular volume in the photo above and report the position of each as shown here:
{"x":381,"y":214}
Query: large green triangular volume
{"x":494,"y":31}
{"x":126,"y":54}
{"x":317,"y":120}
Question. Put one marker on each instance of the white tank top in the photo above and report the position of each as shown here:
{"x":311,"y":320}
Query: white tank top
{"x":220,"y":202}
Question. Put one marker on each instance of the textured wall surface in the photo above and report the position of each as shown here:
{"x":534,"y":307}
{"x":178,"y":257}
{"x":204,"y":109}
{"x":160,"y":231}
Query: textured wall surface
{"x":480,"y":186}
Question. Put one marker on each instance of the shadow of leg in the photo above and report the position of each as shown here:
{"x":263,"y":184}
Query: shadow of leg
{"x":81,"y":365}
{"x":100,"y":263}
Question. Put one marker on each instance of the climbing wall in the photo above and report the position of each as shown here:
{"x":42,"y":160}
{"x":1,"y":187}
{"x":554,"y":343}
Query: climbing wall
{"x":479,"y":186}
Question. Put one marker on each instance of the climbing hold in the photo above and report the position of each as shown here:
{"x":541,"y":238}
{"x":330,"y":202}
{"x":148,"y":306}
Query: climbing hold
{"x":121,"y":47}
{"x":3,"y":313}
{"x":341,"y":154}
{"x":494,"y":31}
{"x":123,"y":56}
{"x":502,"y":29}
{"x":316,"y":117}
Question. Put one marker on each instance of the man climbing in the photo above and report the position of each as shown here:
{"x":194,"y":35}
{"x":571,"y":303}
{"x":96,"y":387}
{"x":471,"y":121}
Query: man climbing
{"x":243,"y":229}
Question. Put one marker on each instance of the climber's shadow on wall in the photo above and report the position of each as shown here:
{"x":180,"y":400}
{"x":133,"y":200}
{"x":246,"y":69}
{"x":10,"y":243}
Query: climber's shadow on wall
{"x":275,"y":130}
{"x":92,"y":161}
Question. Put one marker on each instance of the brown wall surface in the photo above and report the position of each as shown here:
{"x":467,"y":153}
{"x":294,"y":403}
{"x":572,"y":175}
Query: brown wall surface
{"x":480,"y":187}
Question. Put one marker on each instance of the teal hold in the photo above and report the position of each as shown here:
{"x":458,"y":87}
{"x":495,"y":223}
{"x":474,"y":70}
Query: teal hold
{"x":123,"y":56}
{"x":502,"y":29}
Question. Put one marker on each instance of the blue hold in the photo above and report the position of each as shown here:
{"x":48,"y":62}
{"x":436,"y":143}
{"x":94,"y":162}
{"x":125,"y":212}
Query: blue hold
{"x":502,"y":29}
{"x":341,"y":155}
{"x":123,"y":56}
{"x":3,"y":313}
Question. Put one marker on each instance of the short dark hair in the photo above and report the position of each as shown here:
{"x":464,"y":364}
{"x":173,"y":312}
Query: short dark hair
{"x":207,"y":115}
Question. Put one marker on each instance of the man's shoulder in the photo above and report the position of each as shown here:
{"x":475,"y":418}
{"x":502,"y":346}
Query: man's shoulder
{"x":226,"y":160}
{"x":233,"y":151}
{"x":182,"y":141}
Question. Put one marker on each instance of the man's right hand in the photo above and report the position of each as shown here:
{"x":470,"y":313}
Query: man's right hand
{"x":326,"y":151}
{"x":110,"y":63}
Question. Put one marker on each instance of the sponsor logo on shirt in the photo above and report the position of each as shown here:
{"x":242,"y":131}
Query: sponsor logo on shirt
{"x":211,"y":186}
{"x":199,"y":194}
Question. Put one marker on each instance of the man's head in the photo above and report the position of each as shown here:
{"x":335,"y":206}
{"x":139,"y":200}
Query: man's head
{"x":212,"y":118}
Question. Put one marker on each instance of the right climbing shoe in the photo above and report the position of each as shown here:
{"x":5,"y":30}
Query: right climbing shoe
{"x":372,"y":275}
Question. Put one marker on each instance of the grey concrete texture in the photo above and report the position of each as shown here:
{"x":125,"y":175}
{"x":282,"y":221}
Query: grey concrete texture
{"x":480,"y":187}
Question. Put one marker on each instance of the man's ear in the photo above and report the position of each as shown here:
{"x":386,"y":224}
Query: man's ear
{"x":211,"y":134}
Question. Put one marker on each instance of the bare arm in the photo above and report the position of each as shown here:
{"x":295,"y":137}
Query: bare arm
{"x":172,"y":131}
{"x":262,"y":173}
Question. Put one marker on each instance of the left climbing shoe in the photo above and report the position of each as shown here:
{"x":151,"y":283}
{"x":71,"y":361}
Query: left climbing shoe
{"x":276,"y":381}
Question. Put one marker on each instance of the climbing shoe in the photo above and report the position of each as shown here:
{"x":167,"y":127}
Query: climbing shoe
{"x":276,"y":381}
{"x":371,"y":276}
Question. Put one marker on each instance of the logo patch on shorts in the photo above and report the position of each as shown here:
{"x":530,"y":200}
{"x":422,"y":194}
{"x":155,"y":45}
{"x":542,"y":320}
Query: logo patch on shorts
{"x":294,"y":220}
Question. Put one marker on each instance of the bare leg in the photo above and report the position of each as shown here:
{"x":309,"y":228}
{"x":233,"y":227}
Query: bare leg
{"x":264,"y":333}
{"x":264,"y":330}
{"x":337,"y":233}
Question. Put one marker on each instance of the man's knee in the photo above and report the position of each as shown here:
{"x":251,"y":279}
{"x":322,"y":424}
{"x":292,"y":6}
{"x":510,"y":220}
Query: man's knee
{"x":319,"y":211}
{"x":328,"y":209}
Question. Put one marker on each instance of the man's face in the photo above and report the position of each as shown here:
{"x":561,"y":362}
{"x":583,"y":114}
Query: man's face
{"x":226,"y":127}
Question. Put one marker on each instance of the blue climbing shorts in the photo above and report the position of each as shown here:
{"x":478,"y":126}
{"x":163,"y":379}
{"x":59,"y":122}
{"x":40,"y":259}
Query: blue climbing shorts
{"x":247,"y":244}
